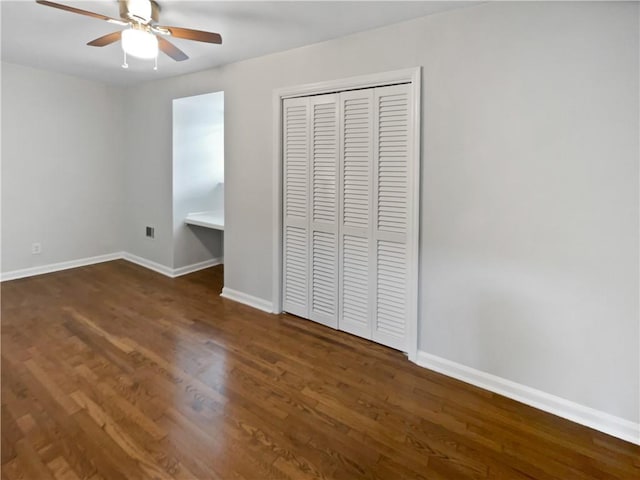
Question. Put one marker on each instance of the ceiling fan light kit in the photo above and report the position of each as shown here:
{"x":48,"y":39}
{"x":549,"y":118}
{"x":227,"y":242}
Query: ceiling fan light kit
{"x":143,"y":38}
{"x":139,"y":43}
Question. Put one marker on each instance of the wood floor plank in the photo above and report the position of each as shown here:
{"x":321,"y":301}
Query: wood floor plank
{"x":54,"y":427}
{"x":112,"y":371}
{"x":121,"y":438}
{"x":61,"y":469}
{"x":30,"y":461}
{"x":104,"y":453}
{"x":11,"y":433}
{"x":114,"y":402}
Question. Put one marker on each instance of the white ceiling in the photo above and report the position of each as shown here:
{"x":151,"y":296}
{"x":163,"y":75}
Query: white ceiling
{"x":53,"y":39}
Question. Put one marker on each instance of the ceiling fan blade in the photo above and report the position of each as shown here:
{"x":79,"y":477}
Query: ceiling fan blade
{"x":171,"y":50}
{"x":197,"y":35}
{"x":81,"y":12}
{"x":105,"y":40}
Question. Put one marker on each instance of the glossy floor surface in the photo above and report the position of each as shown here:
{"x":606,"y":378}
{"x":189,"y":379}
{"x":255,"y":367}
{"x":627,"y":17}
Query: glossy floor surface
{"x":112,"y":371}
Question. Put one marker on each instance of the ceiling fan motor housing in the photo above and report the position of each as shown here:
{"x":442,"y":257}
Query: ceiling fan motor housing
{"x":143,"y":11}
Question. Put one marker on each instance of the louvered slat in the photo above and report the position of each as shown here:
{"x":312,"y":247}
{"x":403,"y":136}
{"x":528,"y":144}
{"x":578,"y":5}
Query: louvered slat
{"x":356,"y":161}
{"x":295,"y":275}
{"x":325,"y":160}
{"x":296,"y":160}
{"x":324,"y":261}
{"x":355,"y":283}
{"x":391,"y":286}
{"x":393,"y":152}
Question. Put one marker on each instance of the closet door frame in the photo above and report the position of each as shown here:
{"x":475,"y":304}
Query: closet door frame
{"x":410,"y":76}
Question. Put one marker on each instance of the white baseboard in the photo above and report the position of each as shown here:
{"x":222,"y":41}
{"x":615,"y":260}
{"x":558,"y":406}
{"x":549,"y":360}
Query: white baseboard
{"x":171,"y":272}
{"x":177,"y":272}
{"x":151,"y":265}
{"x":56,"y":267}
{"x":255,"y":302}
{"x":82,"y":262}
{"x":590,"y":417}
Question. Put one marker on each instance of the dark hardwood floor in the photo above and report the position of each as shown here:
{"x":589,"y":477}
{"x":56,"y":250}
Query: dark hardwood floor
{"x":115,"y":372}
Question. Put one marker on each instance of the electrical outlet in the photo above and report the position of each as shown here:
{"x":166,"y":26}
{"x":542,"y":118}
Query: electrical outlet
{"x":36,"y":248}
{"x":150,"y":232}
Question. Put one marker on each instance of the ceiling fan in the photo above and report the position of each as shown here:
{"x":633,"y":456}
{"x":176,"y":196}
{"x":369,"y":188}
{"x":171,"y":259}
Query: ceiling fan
{"x":145,"y":36}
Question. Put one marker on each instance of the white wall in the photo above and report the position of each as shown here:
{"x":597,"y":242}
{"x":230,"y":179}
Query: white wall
{"x":198,"y":175}
{"x":530,"y":199}
{"x":529,"y":234}
{"x":62,"y":180}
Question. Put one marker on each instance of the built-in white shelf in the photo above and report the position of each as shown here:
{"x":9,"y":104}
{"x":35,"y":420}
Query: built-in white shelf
{"x":211,"y":219}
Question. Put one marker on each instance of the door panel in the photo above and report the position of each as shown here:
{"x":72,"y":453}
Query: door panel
{"x":324,"y":209}
{"x":392,"y":187}
{"x":356,"y":213}
{"x":296,"y":201}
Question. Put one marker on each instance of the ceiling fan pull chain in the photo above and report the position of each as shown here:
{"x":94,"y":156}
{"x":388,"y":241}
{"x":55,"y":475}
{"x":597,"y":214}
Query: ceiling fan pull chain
{"x":155,"y":67}
{"x":124,"y":64}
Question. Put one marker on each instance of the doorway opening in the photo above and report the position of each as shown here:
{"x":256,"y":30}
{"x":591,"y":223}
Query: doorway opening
{"x":198,"y":179}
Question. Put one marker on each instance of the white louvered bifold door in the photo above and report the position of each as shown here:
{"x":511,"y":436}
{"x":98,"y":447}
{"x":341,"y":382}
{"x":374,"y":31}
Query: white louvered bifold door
{"x":356,"y":186}
{"x":391,"y":210}
{"x":295,"y":125}
{"x":350,"y":194}
{"x":324,"y":165}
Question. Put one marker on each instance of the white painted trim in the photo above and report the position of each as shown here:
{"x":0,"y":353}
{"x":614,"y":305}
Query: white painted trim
{"x":590,"y":417}
{"x":171,"y":272}
{"x":82,"y":262}
{"x":178,"y":272}
{"x":413,"y":231}
{"x":246,"y":299}
{"x":151,"y":265}
{"x":408,"y":75}
{"x":56,"y":267}
{"x":363,"y":81}
{"x":277,"y":204}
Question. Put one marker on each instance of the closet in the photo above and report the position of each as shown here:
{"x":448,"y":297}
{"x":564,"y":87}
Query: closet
{"x":348,"y":201}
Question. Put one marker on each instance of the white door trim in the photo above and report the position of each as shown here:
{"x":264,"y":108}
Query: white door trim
{"x":409,"y":75}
